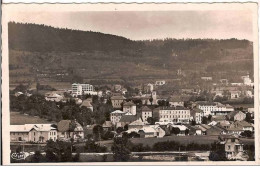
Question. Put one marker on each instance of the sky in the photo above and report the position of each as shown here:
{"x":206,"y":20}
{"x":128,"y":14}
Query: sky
{"x":143,"y":25}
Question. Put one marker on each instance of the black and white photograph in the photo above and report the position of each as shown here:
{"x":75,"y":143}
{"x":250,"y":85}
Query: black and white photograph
{"x":121,"y":83}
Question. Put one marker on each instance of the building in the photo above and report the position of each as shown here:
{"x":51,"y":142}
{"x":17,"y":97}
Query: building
{"x":236,"y":116}
{"x":137,"y":124}
{"x":82,"y":89}
{"x":174,"y":114}
{"x":54,"y":97}
{"x":129,"y":107}
{"x":117,"y":101}
{"x":197,"y":115}
{"x":68,"y":129}
{"x":234,"y":94}
{"x":146,"y":113}
{"x":247,"y":81}
{"x":87,"y":103}
{"x":116,"y":116}
{"x":182,"y":128}
{"x":232,"y":145}
{"x":244,"y":125}
{"x":194,"y":130}
{"x":126,"y":119}
{"x":214,"y":108}
{"x":215,"y":131}
{"x":32,"y":132}
{"x":206,"y":78}
{"x":160,"y":83}
{"x":151,"y":131}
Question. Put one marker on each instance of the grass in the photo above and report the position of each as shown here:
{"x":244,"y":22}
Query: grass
{"x":19,"y":119}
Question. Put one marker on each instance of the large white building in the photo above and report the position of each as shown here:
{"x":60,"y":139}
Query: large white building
{"x":174,"y":114}
{"x":32,"y":132}
{"x":214,"y":108}
{"x":81,"y":89}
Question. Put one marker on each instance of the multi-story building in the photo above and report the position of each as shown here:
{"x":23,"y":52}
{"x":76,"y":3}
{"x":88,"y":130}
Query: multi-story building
{"x":174,"y":114}
{"x":68,"y":129}
{"x":33,"y":132}
{"x":129,"y":107}
{"x":81,"y":89}
{"x":197,"y":115}
{"x":214,"y":108}
{"x":117,"y":101}
{"x":232,"y":145}
{"x":116,"y":116}
{"x":146,"y":113}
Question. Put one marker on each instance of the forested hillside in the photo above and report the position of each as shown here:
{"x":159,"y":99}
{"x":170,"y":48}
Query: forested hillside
{"x":94,"y":55}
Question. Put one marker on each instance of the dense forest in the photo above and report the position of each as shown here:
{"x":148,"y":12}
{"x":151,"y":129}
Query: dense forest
{"x":100,"y":55}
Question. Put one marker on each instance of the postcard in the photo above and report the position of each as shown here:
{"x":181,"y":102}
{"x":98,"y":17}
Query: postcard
{"x":130,"y":84}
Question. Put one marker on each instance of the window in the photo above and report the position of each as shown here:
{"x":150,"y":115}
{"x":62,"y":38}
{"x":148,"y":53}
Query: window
{"x":229,"y":147}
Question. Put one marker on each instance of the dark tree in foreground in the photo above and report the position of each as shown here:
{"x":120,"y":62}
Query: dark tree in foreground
{"x":217,"y":152}
{"x":176,"y":130}
{"x":38,"y":157}
{"x":151,"y":120}
{"x":120,"y":150}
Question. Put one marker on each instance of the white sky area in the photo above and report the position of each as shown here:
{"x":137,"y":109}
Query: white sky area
{"x":143,"y":25}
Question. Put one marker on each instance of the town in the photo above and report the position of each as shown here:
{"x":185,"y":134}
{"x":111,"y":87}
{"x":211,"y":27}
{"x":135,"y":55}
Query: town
{"x":210,"y":121}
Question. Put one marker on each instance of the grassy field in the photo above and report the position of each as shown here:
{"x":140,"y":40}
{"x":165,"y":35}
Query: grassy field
{"x":19,"y":119}
{"x":183,"y":140}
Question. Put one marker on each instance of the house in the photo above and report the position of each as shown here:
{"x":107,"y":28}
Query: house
{"x":194,"y":130}
{"x":87,"y":103}
{"x":146,"y":113}
{"x":137,"y":124}
{"x":233,"y":146}
{"x":249,"y":93}
{"x":33,"y":132}
{"x":116,"y":116}
{"x":236,"y":116}
{"x":197,"y":115}
{"x":129,"y":107}
{"x":203,"y":128}
{"x":215,"y":131}
{"x":174,"y":114}
{"x":175,"y":101}
{"x":151,"y":131}
{"x":117,"y":101}
{"x":68,"y":129}
{"x":126,"y":119}
{"x":244,"y":125}
{"x":182,"y":129}
{"x":224,"y":124}
{"x":234,"y":94}
{"x":232,"y":130}
{"x":53,"y":97}
{"x":107,"y":125}
{"x":247,"y":81}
